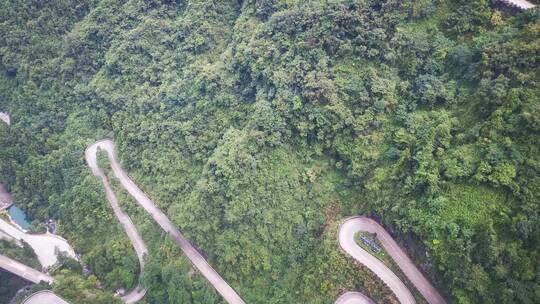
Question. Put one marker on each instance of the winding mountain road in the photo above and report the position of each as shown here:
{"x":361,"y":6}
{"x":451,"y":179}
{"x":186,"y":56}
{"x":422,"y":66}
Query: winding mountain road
{"x":347,"y":242}
{"x":346,"y":237}
{"x":136,"y":240}
{"x":226,"y":291}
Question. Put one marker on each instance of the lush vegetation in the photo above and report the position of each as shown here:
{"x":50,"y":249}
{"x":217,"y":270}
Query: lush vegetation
{"x":258,"y":125}
{"x":21,"y":252}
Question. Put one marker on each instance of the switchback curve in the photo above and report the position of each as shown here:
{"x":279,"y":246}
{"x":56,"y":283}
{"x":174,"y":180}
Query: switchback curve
{"x":226,"y":291}
{"x":347,"y":231}
{"x":136,"y":240}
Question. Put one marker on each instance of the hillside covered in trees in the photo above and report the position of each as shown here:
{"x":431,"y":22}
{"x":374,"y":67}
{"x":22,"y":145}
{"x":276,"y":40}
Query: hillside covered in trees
{"x":258,"y":125}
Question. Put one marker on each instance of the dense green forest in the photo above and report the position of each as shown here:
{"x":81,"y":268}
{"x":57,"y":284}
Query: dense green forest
{"x":258,"y":125}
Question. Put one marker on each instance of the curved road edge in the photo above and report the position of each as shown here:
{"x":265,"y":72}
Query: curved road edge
{"x":44,"y":297}
{"x":354,"y":298}
{"x":196,"y":259}
{"x":136,"y":240}
{"x":347,"y":242}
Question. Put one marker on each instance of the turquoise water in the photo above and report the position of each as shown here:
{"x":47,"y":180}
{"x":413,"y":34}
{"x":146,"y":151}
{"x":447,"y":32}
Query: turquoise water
{"x":18,"y":216}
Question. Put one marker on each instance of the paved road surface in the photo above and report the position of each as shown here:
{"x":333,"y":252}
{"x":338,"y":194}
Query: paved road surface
{"x":163,"y":221}
{"x":346,"y":239}
{"x":140,"y":248}
{"x":25,"y":272}
{"x":353,"y":298}
{"x":44,"y":297}
{"x":45,"y":245}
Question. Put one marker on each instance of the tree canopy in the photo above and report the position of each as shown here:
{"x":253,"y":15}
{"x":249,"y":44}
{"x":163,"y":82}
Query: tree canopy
{"x":258,"y":125}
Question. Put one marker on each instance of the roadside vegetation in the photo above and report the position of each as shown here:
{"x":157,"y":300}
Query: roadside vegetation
{"x":24,"y":254}
{"x":258,"y":125}
{"x":371,"y":244}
